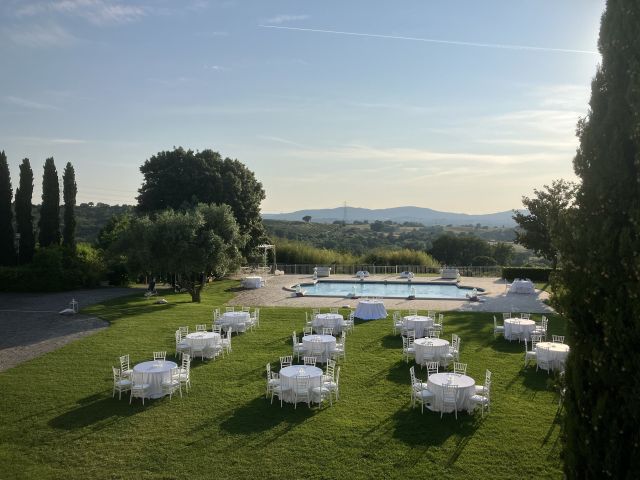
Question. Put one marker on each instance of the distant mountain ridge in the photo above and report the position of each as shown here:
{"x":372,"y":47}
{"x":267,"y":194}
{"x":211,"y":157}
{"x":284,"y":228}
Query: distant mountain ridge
{"x":426,"y":216}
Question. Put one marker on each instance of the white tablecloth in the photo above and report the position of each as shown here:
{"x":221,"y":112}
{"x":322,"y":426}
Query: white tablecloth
{"x":154,"y":373}
{"x":288,"y":378}
{"x":440,"y":348}
{"x":236,"y":320}
{"x":209,"y":339}
{"x":466,"y":389}
{"x":557,"y":353}
{"x":319,"y":346}
{"x":326,"y":320}
{"x":522,"y":286}
{"x":517,"y":328}
{"x":418,"y":323}
{"x":370,"y":310}
{"x":252,"y":282}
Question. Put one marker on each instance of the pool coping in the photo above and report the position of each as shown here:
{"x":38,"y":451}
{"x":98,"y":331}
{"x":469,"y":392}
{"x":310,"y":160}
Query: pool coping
{"x":298,"y":288}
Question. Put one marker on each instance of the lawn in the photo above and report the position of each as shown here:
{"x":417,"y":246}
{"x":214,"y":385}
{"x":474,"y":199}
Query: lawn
{"x":58,"y":420}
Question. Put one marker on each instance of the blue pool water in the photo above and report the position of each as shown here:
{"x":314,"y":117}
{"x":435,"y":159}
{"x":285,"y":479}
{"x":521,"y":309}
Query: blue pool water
{"x":380,"y":289}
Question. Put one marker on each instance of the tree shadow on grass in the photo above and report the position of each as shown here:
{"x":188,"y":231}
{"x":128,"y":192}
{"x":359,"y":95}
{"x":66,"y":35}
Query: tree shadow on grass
{"x":392,"y":341}
{"x":260,"y":415}
{"x":499,"y":344}
{"x":399,"y":373}
{"x":98,"y":411}
{"x":532,"y":379}
{"x":429,"y":430}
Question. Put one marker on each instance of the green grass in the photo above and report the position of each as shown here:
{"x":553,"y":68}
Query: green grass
{"x":58,"y":420}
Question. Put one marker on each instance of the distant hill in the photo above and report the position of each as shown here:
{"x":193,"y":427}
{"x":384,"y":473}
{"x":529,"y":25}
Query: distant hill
{"x":425,"y":216}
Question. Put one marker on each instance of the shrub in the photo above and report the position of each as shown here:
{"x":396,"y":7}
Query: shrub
{"x":404,"y":256}
{"x":532,"y":273}
{"x":483,"y":261}
{"x":297,"y":252}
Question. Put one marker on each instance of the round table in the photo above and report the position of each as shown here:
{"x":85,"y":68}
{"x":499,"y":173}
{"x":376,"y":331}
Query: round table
{"x":206,"y":339}
{"x":328,"y":320}
{"x":466,"y":389}
{"x":235,"y":320}
{"x":522,"y":286}
{"x":518,"y":328}
{"x":288,"y":378}
{"x":319,"y":346}
{"x":420,"y":324}
{"x":557,"y":353}
{"x":370,"y":310}
{"x":439,"y":347}
{"x":154,"y":373}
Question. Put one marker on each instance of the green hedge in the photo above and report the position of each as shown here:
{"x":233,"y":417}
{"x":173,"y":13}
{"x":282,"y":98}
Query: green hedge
{"x":535,"y":274}
{"x":54,"y":270}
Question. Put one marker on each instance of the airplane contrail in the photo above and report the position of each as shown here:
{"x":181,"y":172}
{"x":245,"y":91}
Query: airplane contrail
{"x":433,"y":40}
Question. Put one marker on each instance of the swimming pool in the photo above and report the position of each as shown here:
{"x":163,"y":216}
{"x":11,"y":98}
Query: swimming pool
{"x":333,"y":288}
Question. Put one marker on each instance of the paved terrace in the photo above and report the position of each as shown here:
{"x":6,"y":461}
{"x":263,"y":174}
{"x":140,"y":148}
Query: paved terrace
{"x":494,"y":299}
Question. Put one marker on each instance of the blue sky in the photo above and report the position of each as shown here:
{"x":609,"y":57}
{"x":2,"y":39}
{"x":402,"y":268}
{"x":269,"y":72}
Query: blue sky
{"x":453,"y":105}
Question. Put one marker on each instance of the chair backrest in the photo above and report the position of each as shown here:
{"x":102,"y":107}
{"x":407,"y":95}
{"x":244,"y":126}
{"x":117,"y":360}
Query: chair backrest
{"x":331,"y":367}
{"x":412,"y":374}
{"x":228,"y":309}
{"x":186,"y":361}
{"x":449,"y":393}
{"x":432,"y":368}
{"x":294,"y":338}
{"x":454,"y":338}
{"x":216,"y":313}
{"x":303,"y":382}
{"x":396,"y":315}
{"x":333,"y":310}
{"x":487,"y":377}
{"x":440,"y":318}
{"x":506,"y":315}
{"x":431,"y":314}
{"x":327,"y":330}
{"x":315,"y":311}
{"x":159,"y":355}
{"x":137,"y":379}
{"x":433,"y":333}
{"x":307,"y":330}
{"x":316,"y":348}
{"x":178,"y":336}
{"x":460,"y":368}
{"x":526,"y":316}
{"x":310,"y":361}
{"x":286,"y":361}
{"x":557,"y":338}
{"x":268,"y":368}
{"x":216,"y":328}
{"x":116,"y":374}
{"x":413,"y":312}
{"x":201,"y":328}
{"x":184,"y":330}
{"x":124,"y":362}
{"x":535,"y":339}
{"x":246,"y":309}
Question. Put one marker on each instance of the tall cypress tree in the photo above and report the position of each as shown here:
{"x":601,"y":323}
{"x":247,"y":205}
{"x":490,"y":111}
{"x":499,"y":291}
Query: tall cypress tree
{"x":24,"y":214}
{"x":49,"y":223}
{"x":7,"y":246}
{"x":600,"y":252}
{"x":69,"y":193}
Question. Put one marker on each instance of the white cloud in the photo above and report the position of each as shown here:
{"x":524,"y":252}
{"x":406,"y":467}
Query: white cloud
{"x":41,"y":36}
{"x":98,"y":12}
{"x":30,"y":104}
{"x":279,"y":19}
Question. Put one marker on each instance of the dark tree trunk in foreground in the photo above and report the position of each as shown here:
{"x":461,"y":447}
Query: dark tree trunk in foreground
{"x":600,"y":255}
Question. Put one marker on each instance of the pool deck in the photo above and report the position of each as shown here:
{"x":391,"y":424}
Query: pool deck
{"x":494,"y":299}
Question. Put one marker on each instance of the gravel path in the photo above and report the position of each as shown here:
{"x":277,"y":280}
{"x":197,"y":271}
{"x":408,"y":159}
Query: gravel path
{"x":30,"y":324}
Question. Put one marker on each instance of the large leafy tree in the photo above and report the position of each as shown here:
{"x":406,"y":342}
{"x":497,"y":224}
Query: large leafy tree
{"x":459,"y":249}
{"x":49,"y":223}
{"x":70,"y":189}
{"x":600,"y":248}
{"x":192,"y":244}
{"x":7,"y":246}
{"x":180,"y":179}
{"x":24,"y":214}
{"x":538,"y":225}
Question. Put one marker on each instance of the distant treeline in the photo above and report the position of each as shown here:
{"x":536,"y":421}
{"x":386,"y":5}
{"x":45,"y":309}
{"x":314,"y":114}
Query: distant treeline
{"x":381,"y":242}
